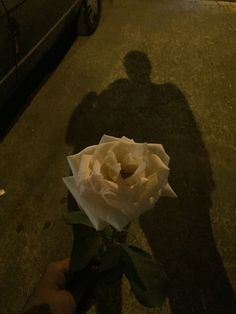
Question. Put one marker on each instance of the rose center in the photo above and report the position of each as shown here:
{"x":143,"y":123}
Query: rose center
{"x":127,"y":170}
{"x":124,"y":174}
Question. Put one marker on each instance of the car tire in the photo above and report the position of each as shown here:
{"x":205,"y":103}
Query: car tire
{"x":89,"y":16}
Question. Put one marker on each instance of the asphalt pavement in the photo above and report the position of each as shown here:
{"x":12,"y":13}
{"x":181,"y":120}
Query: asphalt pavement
{"x":155,"y":71}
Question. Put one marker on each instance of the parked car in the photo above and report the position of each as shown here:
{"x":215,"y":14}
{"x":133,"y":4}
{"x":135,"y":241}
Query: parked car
{"x":28,"y":28}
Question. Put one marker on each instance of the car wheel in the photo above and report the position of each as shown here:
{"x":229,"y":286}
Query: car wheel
{"x":89,"y":17}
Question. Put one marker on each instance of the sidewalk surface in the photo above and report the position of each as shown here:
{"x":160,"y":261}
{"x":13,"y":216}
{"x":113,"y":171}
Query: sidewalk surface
{"x":187,"y":103}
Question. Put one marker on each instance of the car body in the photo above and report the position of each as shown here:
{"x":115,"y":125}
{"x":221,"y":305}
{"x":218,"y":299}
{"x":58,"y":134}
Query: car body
{"x":28,"y":28}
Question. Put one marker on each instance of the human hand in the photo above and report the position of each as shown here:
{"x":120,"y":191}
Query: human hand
{"x":51,"y":291}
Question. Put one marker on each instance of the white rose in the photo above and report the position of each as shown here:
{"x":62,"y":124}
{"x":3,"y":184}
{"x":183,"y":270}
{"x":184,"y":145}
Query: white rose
{"x":117,"y":180}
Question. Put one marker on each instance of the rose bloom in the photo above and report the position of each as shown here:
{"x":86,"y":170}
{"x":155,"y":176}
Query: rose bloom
{"x":117,"y":180}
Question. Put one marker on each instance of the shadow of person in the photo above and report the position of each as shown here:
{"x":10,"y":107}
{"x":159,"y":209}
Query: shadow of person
{"x":178,"y":230}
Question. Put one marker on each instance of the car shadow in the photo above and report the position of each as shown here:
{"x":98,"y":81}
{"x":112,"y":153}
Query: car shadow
{"x":178,"y":230}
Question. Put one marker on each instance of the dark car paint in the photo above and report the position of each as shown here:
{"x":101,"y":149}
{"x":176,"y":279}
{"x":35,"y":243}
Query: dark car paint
{"x":7,"y":57}
{"x":36,"y":17}
{"x":29,"y":27}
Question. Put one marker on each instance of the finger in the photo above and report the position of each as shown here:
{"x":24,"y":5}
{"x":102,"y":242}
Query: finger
{"x":64,"y":265}
{"x":57,"y":271}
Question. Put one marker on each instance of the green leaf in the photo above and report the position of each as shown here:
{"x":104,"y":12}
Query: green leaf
{"x":77,"y":218}
{"x":130,"y":269}
{"x":85,"y":249}
{"x":107,"y":232}
{"x":83,"y":286}
{"x":147,"y":278}
{"x":112,"y":275}
{"x":111,"y":258}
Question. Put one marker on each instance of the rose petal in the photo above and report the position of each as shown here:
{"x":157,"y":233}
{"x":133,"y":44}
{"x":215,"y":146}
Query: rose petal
{"x":156,"y":165}
{"x":84,"y":169}
{"x":125,"y":198}
{"x":110,"y":167}
{"x":121,"y":202}
{"x":99,"y":184}
{"x":140,"y":172}
{"x":94,"y":204}
{"x":130,"y":159}
{"x":149,"y":195}
{"x":126,"y":139}
{"x":158,"y":150}
{"x":102,"y":150}
{"x":74,"y":160}
{"x":96,"y":167}
{"x":70,"y":183}
{"x":123,"y":149}
{"x":76,"y":157}
{"x":97,"y":210}
{"x":107,"y":138}
{"x":168,"y":191}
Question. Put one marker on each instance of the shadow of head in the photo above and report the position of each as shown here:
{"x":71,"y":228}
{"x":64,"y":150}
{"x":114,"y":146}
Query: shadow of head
{"x":138,"y":66}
